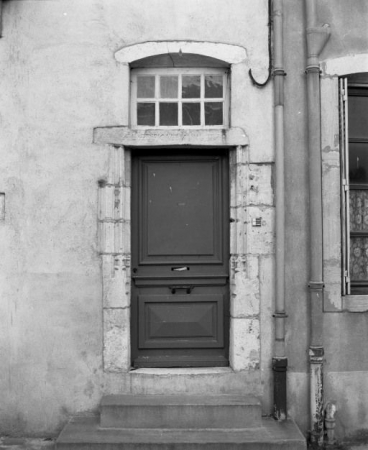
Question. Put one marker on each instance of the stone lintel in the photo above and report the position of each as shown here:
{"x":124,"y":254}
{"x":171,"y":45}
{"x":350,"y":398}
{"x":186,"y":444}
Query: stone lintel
{"x":162,"y":137}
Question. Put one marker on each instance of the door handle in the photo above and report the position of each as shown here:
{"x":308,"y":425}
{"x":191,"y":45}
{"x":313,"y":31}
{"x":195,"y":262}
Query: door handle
{"x":187,"y":287}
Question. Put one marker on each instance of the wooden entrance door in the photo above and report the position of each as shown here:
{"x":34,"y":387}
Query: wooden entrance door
{"x":180,"y":258}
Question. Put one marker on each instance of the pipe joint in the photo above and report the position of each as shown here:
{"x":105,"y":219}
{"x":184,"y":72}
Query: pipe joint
{"x":279,"y":72}
{"x":279,"y":364}
{"x":316,"y":285}
{"x":316,"y":355}
{"x":280,"y":315}
{"x":311,"y":69}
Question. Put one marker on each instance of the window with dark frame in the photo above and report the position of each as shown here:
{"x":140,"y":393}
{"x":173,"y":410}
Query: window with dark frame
{"x":354,"y":144}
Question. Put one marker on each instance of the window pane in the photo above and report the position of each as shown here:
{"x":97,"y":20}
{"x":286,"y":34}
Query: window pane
{"x":358,"y":117}
{"x":191,"y":86}
{"x":191,"y":114}
{"x":146,"y":114}
{"x":358,"y":163}
{"x":213,"y":86}
{"x":358,"y":210}
{"x":168,"y":114}
{"x":213,"y":113}
{"x":146,"y":87}
{"x":359,"y":258}
{"x":169,"y":87}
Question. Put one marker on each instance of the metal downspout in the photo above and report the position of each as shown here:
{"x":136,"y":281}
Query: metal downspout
{"x":1,"y":18}
{"x":279,"y":360}
{"x":317,"y":37}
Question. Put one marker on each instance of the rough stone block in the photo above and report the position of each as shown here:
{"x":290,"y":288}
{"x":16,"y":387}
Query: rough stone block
{"x":244,"y":344}
{"x":260,"y":190}
{"x":116,"y":282}
{"x":245,"y":287}
{"x":238,"y":231}
{"x":116,"y":340}
{"x":260,"y":239}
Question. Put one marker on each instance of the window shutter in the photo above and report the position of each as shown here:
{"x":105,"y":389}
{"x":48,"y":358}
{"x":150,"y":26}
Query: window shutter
{"x":345,"y":214}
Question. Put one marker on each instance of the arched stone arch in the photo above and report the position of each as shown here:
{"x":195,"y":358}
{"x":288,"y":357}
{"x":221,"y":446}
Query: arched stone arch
{"x":230,"y":54}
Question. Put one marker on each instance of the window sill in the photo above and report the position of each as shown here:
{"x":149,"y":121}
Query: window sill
{"x":355,"y":303}
{"x":183,"y":371}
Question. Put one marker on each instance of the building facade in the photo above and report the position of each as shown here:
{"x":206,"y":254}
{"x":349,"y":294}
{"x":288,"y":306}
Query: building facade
{"x":183,"y":206}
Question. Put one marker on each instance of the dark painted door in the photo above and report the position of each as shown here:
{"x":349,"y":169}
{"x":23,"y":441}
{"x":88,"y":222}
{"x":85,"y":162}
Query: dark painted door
{"x":180,"y":258}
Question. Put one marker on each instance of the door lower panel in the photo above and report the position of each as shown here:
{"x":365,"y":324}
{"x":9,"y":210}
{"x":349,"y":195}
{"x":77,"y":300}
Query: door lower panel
{"x":180,"y":321}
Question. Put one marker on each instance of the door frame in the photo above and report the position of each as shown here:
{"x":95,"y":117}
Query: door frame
{"x":245,"y":268}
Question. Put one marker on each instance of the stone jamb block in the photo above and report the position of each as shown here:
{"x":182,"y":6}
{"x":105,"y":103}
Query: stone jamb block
{"x":244,"y":343}
{"x":260,"y":239}
{"x":260,"y":190}
{"x":116,"y":281}
{"x":116,"y":349}
{"x":245,"y":298}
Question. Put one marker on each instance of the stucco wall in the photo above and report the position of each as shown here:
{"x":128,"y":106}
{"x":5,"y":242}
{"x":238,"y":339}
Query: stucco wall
{"x":59,"y":80}
{"x":346,"y":359}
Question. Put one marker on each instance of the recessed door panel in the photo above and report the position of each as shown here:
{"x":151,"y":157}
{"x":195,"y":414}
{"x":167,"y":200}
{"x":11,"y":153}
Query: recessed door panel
{"x":180,"y":321}
{"x":180,"y":257}
{"x":182,"y":214}
{"x":180,"y":217}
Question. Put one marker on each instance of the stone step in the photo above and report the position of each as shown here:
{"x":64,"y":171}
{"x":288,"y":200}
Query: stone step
{"x":180,"y":411}
{"x":86,"y":434}
{"x":195,"y":380}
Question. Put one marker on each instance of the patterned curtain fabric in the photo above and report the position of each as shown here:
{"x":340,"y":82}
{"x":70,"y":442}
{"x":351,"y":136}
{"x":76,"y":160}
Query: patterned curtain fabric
{"x":358,"y":245}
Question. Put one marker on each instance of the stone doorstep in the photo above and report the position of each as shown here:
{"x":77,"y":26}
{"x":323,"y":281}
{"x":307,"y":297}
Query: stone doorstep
{"x":180,"y":411}
{"x":85,"y":433}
